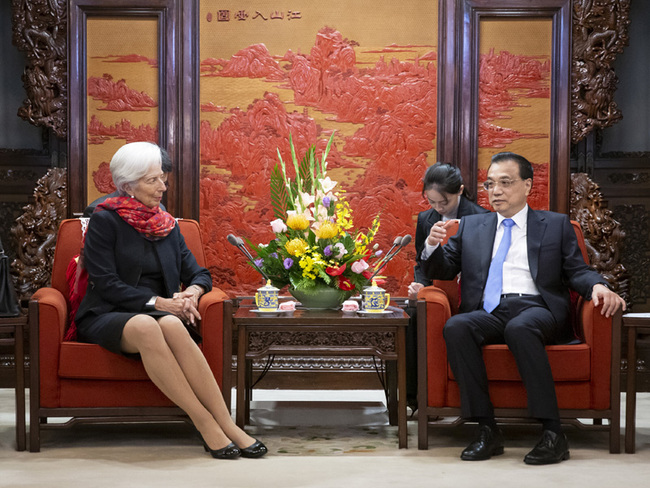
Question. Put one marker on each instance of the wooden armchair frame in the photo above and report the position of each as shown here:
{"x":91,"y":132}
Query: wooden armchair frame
{"x":595,"y":395}
{"x":86,"y":383}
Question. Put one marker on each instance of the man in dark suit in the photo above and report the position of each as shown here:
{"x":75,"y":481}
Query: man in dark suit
{"x":515,"y":267}
{"x":166,"y":164}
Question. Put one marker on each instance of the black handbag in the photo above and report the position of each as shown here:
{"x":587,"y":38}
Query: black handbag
{"x":8,"y":299}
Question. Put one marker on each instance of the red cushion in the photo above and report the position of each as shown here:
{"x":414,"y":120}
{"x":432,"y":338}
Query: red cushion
{"x":80,"y":360}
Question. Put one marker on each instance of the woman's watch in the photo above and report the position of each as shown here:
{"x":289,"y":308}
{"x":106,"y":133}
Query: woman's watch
{"x":151,"y":304}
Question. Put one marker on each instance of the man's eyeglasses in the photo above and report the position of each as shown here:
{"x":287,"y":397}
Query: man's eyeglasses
{"x":504,"y":184}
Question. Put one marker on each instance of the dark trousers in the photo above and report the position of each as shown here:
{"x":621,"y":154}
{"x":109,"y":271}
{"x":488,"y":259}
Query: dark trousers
{"x":526,"y":326}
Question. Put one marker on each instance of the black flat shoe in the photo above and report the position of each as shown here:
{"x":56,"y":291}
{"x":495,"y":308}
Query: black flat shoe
{"x":488,"y":443}
{"x":255,"y":450}
{"x":231,"y":451}
{"x":552,"y":448}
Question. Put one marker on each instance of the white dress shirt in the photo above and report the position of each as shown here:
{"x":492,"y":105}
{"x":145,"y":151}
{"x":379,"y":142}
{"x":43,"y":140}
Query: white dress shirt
{"x":516,"y":270}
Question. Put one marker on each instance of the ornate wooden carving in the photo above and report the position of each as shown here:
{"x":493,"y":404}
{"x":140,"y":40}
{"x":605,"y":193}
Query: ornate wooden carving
{"x":603,"y":234}
{"x":35,"y":233}
{"x":382,"y":341}
{"x":320,"y":363}
{"x":40,"y":30}
{"x":599,"y":34}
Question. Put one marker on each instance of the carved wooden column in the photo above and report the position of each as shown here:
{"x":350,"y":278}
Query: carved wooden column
{"x":35,"y":234}
{"x":603,"y":235}
{"x":40,"y":30}
{"x":599,"y":34}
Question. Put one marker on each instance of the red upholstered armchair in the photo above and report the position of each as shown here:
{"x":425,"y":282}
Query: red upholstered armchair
{"x":586,"y":374}
{"x":89,"y":383}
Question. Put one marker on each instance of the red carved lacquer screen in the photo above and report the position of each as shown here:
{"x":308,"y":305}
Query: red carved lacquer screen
{"x":367,"y":71}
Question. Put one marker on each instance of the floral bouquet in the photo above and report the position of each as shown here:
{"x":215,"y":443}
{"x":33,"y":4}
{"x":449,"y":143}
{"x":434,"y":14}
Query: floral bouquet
{"x":315,"y":245}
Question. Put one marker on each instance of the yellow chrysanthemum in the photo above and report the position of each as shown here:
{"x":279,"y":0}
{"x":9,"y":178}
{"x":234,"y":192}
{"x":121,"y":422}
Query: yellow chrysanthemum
{"x":327,"y":230}
{"x":307,"y":264}
{"x":297,"y":247}
{"x":297,"y":222}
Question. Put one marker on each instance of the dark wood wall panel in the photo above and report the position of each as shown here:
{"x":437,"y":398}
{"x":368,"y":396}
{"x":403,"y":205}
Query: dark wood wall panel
{"x":459,"y":81}
{"x":177,"y":94}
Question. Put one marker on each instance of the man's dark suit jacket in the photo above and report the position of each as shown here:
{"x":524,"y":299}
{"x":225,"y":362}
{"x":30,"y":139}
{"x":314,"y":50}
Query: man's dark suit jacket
{"x":113,"y":254}
{"x":553,"y":255}
{"x":90,"y":209}
{"x":426,"y":220}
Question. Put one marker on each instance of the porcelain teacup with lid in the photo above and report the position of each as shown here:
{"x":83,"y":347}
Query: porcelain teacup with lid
{"x":375,"y":298}
{"x":266,"y":298}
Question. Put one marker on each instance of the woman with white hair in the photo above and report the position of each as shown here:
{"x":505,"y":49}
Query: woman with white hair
{"x":136,"y":259}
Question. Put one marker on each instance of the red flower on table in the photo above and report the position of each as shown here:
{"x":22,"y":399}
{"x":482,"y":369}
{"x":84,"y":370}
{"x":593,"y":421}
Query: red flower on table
{"x":335,"y":270}
{"x":345,"y":284}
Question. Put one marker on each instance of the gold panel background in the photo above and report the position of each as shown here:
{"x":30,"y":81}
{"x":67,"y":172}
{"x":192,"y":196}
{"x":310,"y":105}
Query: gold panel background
{"x":122,"y":52}
{"x":523,"y":48}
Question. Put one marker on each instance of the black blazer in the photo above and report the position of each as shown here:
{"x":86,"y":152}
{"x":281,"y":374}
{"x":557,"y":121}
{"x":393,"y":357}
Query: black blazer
{"x":426,"y":220}
{"x":113,"y":253}
{"x":554,"y":258}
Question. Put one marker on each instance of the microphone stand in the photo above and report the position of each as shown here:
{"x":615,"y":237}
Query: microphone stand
{"x":238,"y":242}
{"x":403,"y":242}
{"x":396,"y":242}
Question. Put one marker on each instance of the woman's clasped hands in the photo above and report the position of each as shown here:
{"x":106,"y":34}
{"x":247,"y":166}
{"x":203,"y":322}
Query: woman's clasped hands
{"x":183,"y":304}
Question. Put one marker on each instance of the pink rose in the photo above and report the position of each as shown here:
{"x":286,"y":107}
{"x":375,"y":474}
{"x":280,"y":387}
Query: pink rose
{"x":359,"y":266}
{"x":278,"y":226}
{"x":350,"y":306}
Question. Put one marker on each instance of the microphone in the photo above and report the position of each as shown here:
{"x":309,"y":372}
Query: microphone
{"x":238,"y":242}
{"x":396,"y":243}
{"x":403,"y":241}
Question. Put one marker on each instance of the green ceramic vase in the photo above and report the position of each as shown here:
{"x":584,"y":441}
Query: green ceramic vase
{"x":321,"y":297}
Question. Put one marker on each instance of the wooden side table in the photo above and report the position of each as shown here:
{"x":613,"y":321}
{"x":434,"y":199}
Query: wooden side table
{"x":636,"y":324}
{"x":306,"y":333}
{"x":14,"y":327}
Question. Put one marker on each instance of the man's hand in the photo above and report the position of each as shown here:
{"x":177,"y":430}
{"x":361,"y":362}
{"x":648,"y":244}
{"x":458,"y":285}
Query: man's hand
{"x":438,"y":232}
{"x":611,"y":301}
{"x":414,"y":288}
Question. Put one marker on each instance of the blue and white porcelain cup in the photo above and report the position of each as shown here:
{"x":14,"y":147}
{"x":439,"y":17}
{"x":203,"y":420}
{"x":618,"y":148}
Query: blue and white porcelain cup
{"x":266,"y":298}
{"x":375,"y":299}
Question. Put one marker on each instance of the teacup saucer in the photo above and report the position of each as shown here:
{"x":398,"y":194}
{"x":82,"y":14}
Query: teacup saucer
{"x":271,"y":312}
{"x":373,"y":312}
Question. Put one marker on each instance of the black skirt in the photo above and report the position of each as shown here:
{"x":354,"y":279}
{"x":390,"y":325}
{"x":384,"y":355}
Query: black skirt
{"x":106,"y":329}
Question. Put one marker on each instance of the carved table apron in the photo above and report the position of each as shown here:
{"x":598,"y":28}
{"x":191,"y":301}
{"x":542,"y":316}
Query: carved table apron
{"x":320,"y":333}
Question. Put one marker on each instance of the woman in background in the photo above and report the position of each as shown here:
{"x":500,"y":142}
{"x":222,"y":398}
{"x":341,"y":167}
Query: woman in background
{"x":444,"y":190}
{"x":137,"y":260}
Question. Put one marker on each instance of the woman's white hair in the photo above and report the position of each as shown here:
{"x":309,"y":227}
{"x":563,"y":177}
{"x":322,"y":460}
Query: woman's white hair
{"x":132,"y":161}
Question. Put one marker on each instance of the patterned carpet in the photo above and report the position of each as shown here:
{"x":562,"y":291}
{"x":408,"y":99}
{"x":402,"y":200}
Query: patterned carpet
{"x":328,"y":440}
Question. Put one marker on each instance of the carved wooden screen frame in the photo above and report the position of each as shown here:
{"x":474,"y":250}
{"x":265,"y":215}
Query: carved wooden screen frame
{"x":459,"y":72}
{"x":177,"y":92}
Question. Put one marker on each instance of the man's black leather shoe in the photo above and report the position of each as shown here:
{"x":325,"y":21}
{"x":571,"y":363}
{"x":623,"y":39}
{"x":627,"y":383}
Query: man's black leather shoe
{"x":488,"y":443}
{"x":551,"y":448}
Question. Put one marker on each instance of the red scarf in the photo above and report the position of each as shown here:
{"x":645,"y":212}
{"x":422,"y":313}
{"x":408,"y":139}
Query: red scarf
{"x":152,"y":223}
